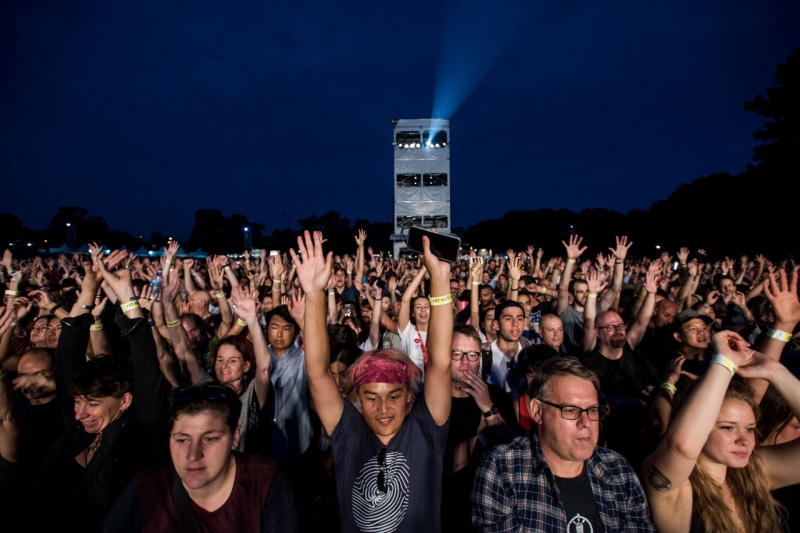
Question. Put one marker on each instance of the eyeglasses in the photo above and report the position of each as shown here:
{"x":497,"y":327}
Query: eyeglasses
{"x":198,"y":392}
{"x":572,"y":412}
{"x":610,"y":328}
{"x":382,"y":472}
{"x":458,"y":355}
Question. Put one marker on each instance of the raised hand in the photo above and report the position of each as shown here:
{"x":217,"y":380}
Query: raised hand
{"x":693,"y":268}
{"x":276,"y":268}
{"x":514,"y":266}
{"x":298,"y":308}
{"x":739,"y":299}
{"x":683,"y":255}
{"x":595,"y":283}
{"x":170,"y":251}
{"x":361,"y":237}
{"x":732,"y":346}
{"x":574,"y":249}
{"x":712,"y":297}
{"x":476,"y":269}
{"x":760,"y":259}
{"x":621,"y":251}
{"x":6,"y":261}
{"x":188,"y":263}
{"x":119,"y":280}
{"x":245,"y":303}
{"x":529,"y":250}
{"x":313,"y":266}
{"x":98,"y":308}
{"x":783,"y":298}
{"x":651,"y":282}
{"x":655,"y":266}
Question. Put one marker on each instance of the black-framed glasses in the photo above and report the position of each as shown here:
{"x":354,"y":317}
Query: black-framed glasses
{"x":610,"y":328}
{"x":458,"y":355}
{"x":573,"y":412}
{"x":382,"y":472}
{"x":198,"y":392}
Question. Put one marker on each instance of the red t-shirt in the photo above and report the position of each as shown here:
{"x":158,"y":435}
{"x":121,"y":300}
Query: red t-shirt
{"x":242,"y":511}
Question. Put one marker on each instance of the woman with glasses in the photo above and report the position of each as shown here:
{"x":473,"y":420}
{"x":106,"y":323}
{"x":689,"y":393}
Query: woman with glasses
{"x":708,"y":474}
{"x":114,"y":412}
{"x":207,"y":486}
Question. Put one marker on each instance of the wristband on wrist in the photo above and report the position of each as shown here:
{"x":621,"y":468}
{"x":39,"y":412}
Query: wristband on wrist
{"x":476,"y":282}
{"x":174,"y":324}
{"x":12,"y":293}
{"x":331,"y":293}
{"x":220,"y":294}
{"x":349,"y":271}
{"x":773,"y":334}
{"x":440,"y":300}
{"x":670,"y":387}
{"x":167,"y":261}
{"x":275,"y":280}
{"x":570,"y":260}
{"x":543,"y":290}
{"x":721,"y":360}
{"x":618,"y":262}
{"x":130,"y":306}
{"x":592,"y":295}
{"x":96,"y":327}
{"x":514,"y":290}
{"x":241,"y":322}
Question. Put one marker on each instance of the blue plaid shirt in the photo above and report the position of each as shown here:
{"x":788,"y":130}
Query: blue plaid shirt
{"x":515,"y":490}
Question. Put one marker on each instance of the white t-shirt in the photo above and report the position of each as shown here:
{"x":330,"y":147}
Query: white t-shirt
{"x":412,"y":341}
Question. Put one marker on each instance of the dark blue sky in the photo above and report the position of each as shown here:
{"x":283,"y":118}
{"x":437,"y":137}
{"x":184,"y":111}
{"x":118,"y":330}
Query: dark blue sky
{"x":144,"y":112}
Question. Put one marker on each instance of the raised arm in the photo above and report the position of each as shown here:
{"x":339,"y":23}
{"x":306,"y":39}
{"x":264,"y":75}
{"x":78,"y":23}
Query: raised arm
{"x":514,"y":273}
{"x":375,"y":322}
{"x":639,"y":327}
{"x":782,"y":294}
{"x":177,"y":334}
{"x":590,"y":311}
{"x":276,"y":271}
{"x":404,"y":316}
{"x":669,"y":467}
{"x":438,"y":394}
{"x":620,"y":253}
{"x":313,"y":271}
{"x":247,"y":310}
{"x":574,"y":251}
{"x":476,"y":272}
{"x":188,"y":276}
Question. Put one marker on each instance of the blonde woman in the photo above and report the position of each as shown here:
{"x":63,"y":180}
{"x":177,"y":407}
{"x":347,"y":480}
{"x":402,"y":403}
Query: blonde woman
{"x":707,"y":474}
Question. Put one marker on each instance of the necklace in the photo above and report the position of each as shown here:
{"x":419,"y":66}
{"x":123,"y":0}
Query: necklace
{"x":93,"y":446}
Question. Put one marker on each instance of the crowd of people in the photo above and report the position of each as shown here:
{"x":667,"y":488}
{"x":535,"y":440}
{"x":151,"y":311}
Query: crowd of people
{"x":307,"y":391}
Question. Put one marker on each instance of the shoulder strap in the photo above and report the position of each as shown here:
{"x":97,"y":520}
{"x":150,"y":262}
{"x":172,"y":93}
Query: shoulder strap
{"x":181,"y":500}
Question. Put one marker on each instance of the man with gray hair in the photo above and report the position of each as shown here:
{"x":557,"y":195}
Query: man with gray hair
{"x":557,"y":478}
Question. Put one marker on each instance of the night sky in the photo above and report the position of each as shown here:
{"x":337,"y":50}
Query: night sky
{"x":144,"y":112}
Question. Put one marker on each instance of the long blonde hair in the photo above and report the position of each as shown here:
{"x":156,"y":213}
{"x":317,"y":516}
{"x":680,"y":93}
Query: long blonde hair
{"x":749,"y":487}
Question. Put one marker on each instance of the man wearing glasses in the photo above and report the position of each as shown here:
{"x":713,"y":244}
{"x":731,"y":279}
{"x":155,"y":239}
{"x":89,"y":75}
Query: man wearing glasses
{"x":626,"y":378}
{"x":557,"y":478}
{"x":481,"y":415}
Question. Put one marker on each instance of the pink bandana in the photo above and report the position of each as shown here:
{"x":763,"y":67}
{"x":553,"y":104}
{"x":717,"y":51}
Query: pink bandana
{"x":383,"y":371}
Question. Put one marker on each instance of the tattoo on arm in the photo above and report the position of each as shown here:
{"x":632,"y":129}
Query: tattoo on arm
{"x":658,"y":480}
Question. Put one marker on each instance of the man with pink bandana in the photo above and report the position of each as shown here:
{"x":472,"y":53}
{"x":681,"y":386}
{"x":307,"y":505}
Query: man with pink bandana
{"x":388,"y":460}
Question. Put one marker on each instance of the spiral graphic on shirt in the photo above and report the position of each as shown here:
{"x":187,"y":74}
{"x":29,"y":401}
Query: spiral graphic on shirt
{"x":375,"y":511}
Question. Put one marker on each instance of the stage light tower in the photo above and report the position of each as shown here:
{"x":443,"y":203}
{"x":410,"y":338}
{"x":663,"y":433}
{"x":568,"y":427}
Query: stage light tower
{"x":421,"y":176}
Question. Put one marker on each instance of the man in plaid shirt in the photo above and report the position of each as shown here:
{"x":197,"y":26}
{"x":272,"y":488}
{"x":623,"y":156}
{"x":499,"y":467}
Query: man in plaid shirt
{"x":557,"y":478}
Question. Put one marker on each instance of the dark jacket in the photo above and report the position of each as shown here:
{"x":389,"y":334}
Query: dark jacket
{"x":64,"y":496}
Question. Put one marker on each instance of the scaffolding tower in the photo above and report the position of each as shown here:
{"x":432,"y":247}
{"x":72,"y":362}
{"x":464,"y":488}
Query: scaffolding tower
{"x":421,"y":177}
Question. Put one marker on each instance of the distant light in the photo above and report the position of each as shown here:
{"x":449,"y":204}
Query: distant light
{"x":29,"y":244}
{"x":444,"y":144}
{"x":108,"y":251}
{"x":658,"y":247}
{"x":11,"y":244}
{"x":437,"y":145}
{"x":418,"y":145}
{"x":246,"y":228}
{"x":150,"y":252}
{"x":406,"y":146}
{"x":45,"y":240}
{"x":68,"y":224}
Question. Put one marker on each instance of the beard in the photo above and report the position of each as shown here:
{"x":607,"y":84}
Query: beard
{"x":618,"y":342}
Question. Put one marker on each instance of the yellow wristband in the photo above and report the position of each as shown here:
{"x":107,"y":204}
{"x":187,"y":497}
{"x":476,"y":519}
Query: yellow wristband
{"x":440,"y":300}
{"x":670,"y":387}
{"x":592,"y":295}
{"x":12,"y":293}
{"x":570,"y":260}
{"x":724,"y":361}
{"x":130,"y":306}
{"x":543,"y":290}
{"x":220,"y":294}
{"x":174,"y":324}
{"x":771,"y":333}
{"x":241,"y":322}
{"x":96,"y":327}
